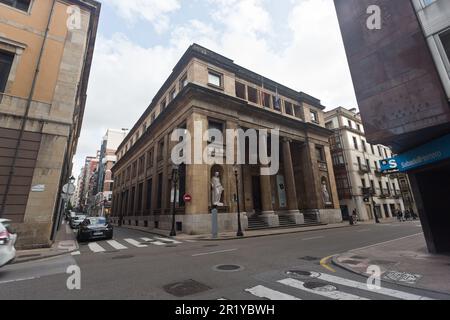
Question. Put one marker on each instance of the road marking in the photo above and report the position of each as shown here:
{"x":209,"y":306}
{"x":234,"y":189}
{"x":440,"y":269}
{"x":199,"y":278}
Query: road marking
{"x":95,"y":247}
{"x":313,"y":238}
{"x":19,"y":280}
{"x":76,"y":253}
{"x":116,"y":245}
{"x":168,"y":240}
{"x":386,"y":242}
{"x":135,"y":243}
{"x":324,"y":263}
{"x":363,"y":286}
{"x":263,"y":292}
{"x":155,"y":243}
{"x":214,"y":252}
{"x":336,"y":295}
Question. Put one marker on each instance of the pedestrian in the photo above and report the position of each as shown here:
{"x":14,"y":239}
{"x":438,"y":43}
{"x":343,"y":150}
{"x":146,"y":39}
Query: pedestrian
{"x":399,"y":215}
{"x":354,"y":217}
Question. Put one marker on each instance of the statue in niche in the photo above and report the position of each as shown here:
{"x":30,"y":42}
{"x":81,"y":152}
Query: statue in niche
{"x":325,"y":193}
{"x":217,"y":190}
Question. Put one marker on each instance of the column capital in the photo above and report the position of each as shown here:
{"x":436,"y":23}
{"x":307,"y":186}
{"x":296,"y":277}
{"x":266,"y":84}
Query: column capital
{"x":286,"y":139}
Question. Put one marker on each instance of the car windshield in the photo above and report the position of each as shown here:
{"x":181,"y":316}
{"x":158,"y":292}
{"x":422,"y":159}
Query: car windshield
{"x":81,"y":218}
{"x":97,"y":221}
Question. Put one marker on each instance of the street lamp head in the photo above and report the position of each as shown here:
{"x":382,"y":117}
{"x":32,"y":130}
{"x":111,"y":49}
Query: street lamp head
{"x":72,"y":179}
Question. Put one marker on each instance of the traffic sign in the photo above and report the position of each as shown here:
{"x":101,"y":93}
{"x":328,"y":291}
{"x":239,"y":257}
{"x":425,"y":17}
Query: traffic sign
{"x":187,"y":198}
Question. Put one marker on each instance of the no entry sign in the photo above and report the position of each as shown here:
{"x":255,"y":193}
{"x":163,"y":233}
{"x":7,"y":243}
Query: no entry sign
{"x":187,"y":198}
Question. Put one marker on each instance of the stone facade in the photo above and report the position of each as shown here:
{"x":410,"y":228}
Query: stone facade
{"x":209,"y":91}
{"x":41,"y":108}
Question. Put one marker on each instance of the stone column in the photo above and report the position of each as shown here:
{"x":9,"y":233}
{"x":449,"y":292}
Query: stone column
{"x":291,"y":192}
{"x":268,"y":214}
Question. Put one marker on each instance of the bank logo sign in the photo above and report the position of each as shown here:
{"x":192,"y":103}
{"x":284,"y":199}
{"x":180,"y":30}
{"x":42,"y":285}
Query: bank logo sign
{"x":433,"y":152}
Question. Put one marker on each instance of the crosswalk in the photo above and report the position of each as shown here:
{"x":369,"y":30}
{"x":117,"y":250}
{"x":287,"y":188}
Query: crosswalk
{"x":124,"y":244}
{"x":315,"y":285}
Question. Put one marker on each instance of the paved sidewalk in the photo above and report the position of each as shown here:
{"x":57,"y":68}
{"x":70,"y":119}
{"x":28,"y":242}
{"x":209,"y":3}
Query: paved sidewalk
{"x":404,"y":261}
{"x":247,"y":234}
{"x":65,"y":242}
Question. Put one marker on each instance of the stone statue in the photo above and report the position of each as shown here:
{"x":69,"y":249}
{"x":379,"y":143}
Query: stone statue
{"x":217,"y":190}
{"x":325,"y":193}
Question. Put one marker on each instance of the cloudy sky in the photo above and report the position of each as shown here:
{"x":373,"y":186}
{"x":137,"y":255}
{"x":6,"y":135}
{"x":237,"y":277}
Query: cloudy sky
{"x":294,"y":42}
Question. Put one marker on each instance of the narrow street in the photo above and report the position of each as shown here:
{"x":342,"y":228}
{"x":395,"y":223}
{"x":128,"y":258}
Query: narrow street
{"x":138,"y":265}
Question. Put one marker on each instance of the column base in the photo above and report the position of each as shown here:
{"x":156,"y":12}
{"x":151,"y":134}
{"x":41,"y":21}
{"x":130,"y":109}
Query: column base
{"x":294,"y":215}
{"x":270,"y":218}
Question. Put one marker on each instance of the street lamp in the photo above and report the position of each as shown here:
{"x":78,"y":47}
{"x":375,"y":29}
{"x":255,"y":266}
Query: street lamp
{"x":175,"y":169}
{"x":236,"y":174}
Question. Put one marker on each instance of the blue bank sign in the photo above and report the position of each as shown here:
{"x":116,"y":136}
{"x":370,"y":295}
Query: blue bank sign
{"x":429,"y":153}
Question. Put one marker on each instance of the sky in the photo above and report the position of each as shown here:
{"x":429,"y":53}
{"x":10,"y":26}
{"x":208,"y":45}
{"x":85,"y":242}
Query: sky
{"x":294,"y":42}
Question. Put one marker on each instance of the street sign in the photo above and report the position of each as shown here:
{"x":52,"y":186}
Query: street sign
{"x":429,"y":153}
{"x":69,"y":189}
{"x":187,"y":198}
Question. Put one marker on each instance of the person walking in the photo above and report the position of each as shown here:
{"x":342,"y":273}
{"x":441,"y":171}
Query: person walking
{"x":354,"y":217}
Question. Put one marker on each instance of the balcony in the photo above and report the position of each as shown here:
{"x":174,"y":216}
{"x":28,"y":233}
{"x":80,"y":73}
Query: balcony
{"x":385,"y":193}
{"x":363,"y":169}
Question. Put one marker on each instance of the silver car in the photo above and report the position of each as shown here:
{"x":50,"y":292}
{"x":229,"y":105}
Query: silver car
{"x":7,"y":241}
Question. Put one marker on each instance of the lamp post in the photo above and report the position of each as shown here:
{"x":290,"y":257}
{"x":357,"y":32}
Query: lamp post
{"x":236,"y":174}
{"x":175,"y":169}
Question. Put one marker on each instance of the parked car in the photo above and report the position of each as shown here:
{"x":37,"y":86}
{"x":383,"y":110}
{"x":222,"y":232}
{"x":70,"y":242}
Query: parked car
{"x":76,"y":221}
{"x":7,"y":241}
{"x":95,"y":228}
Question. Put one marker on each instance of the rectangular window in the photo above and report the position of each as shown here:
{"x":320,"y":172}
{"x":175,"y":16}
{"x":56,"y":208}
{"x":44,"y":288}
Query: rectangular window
{"x":445,"y":39}
{"x":364,"y":145}
{"x":288,"y":108}
{"x":160,"y":186}
{"x":215,"y":79}
{"x":276,"y":103}
{"x":298,"y":111}
{"x":161,"y":150}
{"x":173,"y":94}
{"x":266,"y":100}
{"x":140,"y":195}
{"x":355,"y":143}
{"x":153,"y":117}
{"x":6,"y":60}
{"x":320,"y":153}
{"x":252,"y":94}
{"x":148,"y":205}
{"x":240,"y":90}
{"x":183,"y":82}
{"x":350,"y":124}
{"x":371,"y":147}
{"x":23,"y":5}
{"x":314,"y":116}
{"x":358,"y":127}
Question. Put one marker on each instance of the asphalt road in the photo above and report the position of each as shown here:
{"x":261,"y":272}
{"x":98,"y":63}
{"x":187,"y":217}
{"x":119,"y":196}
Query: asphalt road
{"x":138,"y":265}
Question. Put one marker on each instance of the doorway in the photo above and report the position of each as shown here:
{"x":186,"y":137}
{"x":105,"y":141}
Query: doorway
{"x":256,"y":192}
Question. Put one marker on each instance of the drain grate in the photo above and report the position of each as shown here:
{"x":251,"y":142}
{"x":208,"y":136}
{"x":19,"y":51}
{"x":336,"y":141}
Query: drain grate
{"x":320,"y":286}
{"x":228,"y":268}
{"x":185,"y":288}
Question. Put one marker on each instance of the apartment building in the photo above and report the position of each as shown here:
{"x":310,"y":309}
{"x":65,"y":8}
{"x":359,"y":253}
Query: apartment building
{"x":46,"y":50}
{"x":360,"y":183}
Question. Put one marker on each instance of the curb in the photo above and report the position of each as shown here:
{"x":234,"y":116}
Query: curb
{"x":365,"y":275}
{"x":242,"y":238}
{"x":42,"y":257}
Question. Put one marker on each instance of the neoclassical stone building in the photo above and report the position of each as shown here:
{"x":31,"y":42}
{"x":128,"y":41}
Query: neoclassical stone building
{"x":209,"y":89}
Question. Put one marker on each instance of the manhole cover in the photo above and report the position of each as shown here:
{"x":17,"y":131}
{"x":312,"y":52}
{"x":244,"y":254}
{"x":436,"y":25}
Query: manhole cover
{"x":185,"y":288}
{"x":123,"y":257}
{"x":351,"y":262}
{"x":309,"y":258}
{"x":299,"y":273}
{"x":320,"y":286}
{"x":228,"y":268}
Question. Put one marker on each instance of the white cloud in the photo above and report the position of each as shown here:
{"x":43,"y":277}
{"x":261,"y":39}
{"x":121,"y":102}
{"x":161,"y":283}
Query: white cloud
{"x":153,"y":11}
{"x":126,"y":76}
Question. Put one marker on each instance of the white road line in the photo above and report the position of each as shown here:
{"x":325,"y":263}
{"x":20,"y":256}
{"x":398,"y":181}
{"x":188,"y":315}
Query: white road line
{"x":263,"y":292}
{"x":95,"y":247}
{"x":168,"y":240}
{"x":135,"y":243}
{"x":386,"y":242}
{"x":313,"y":238}
{"x":363,"y":286}
{"x":214,"y":252}
{"x":336,"y":295}
{"x":116,"y":245}
{"x":153,"y":242}
{"x":19,"y":280}
{"x":76,"y":253}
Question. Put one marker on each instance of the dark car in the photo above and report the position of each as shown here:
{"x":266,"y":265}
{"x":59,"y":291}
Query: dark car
{"x":94,"y":228}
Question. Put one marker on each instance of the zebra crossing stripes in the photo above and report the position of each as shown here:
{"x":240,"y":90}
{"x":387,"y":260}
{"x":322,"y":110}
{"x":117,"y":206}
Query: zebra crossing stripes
{"x":154,"y":242}
{"x":335,"y":295}
{"x":136,"y":243}
{"x":267,"y":293}
{"x":168,"y":240}
{"x":95,"y":247}
{"x":116,"y":245}
{"x":322,"y":284}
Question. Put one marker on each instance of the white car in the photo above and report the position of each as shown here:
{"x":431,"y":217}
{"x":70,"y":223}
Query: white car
{"x":7,"y":242}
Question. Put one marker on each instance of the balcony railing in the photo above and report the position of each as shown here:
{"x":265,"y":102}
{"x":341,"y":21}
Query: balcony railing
{"x":363,"y":169}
